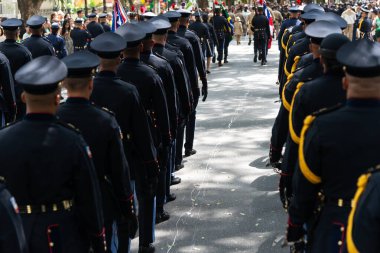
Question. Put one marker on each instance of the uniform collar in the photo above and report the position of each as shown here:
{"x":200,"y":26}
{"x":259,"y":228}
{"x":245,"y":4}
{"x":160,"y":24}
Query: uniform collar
{"x":158,"y":45}
{"x":106,"y":73}
{"x":40,"y":117}
{"x":360,"y":102}
{"x":77,"y":100}
{"x":9,"y":41}
{"x":35,"y":36}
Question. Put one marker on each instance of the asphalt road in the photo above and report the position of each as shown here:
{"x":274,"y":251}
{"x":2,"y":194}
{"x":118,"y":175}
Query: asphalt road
{"x":228,"y":199}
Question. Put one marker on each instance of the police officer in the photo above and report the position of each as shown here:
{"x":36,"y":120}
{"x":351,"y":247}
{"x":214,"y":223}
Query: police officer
{"x":57,"y":41}
{"x":200,"y":64}
{"x":363,"y":222}
{"x":59,"y":201}
{"x":36,"y":44}
{"x":364,"y":24}
{"x":165,"y":71}
{"x":12,"y":237}
{"x":182,"y":83}
{"x":94,"y":28}
{"x":102,"y":133}
{"x":17,"y":54}
{"x":103,"y":22}
{"x":150,"y":88}
{"x":261,"y":34}
{"x":123,"y":99}
{"x":221,"y":29}
{"x":7,"y":92}
{"x":212,"y":42}
{"x":202,"y":31}
{"x":326,"y":154}
{"x":79,"y":36}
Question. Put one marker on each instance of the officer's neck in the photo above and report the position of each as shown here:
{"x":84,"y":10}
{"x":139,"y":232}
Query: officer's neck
{"x":81,"y":93}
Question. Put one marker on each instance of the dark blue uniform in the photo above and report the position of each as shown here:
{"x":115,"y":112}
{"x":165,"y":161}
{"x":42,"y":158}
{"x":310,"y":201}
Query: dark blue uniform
{"x":59,"y":45}
{"x":202,"y":31}
{"x":221,"y":28}
{"x":12,"y":237}
{"x":7,"y":92}
{"x":286,"y":24}
{"x":106,"y":27}
{"x":103,"y":135}
{"x":18,"y":55}
{"x":261,"y":34}
{"x":80,"y":38}
{"x":38,"y":46}
{"x":59,"y":199}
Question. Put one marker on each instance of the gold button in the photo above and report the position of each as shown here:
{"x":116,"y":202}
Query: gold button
{"x":49,"y":231}
{"x":340,"y":243}
{"x":342,"y":229}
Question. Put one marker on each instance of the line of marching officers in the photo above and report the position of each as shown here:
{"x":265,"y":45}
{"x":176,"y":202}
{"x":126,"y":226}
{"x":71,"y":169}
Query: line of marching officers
{"x":81,"y":177}
{"x":329,"y":124}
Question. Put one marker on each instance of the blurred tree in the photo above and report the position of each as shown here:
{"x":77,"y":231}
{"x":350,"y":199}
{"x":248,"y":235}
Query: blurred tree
{"x":28,"y":7}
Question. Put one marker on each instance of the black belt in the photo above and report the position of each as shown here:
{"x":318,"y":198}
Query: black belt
{"x":80,"y":48}
{"x":339,"y":202}
{"x":48,"y":208}
{"x":261,"y":29}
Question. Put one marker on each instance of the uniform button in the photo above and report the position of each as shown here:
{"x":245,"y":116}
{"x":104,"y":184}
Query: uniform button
{"x":51,"y":245}
{"x":342,"y":229}
{"x":340,"y":243}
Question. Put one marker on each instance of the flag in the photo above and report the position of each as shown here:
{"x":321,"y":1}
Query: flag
{"x":270,"y":18}
{"x":119,"y":16}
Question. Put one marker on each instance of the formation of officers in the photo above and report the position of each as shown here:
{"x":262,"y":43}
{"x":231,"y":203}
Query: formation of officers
{"x":328,"y":124}
{"x":87,"y":173}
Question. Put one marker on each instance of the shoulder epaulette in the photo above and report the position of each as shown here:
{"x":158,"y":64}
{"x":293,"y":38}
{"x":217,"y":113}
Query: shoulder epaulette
{"x":104,"y":109}
{"x":151,"y":66}
{"x":160,"y":56}
{"x":68,"y":126}
{"x":327,"y":110}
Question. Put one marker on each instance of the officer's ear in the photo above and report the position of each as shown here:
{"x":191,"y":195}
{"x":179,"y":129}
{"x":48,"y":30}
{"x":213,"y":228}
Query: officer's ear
{"x":23,"y":98}
{"x":91,"y":84}
{"x":345,"y":83}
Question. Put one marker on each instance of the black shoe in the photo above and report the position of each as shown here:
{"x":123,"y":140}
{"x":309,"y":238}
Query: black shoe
{"x":208,"y":72}
{"x":220,"y":64}
{"x":171,"y":197}
{"x":255,"y":58}
{"x":260,"y":57}
{"x":263,"y":62}
{"x":213,"y":59}
{"x":175,"y":180}
{"x":162,"y":216}
{"x":189,"y":152}
{"x":147,"y":248}
{"x":178,"y":167}
{"x":249,"y":42}
{"x":225,"y":61}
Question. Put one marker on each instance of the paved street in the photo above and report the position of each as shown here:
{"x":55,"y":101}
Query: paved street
{"x":228,"y":199}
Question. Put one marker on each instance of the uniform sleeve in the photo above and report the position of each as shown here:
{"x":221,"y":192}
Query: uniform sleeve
{"x":118,"y":165}
{"x":289,"y":61}
{"x":365,"y":226}
{"x":161,"y":111}
{"x":306,"y":180}
{"x":7,"y":87}
{"x":280,"y":34}
{"x":171,"y":96}
{"x":87,"y":192}
{"x":182,"y":85}
{"x":63,"y":48}
{"x":199,"y":60}
{"x":280,"y":129}
{"x":142,"y":138}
